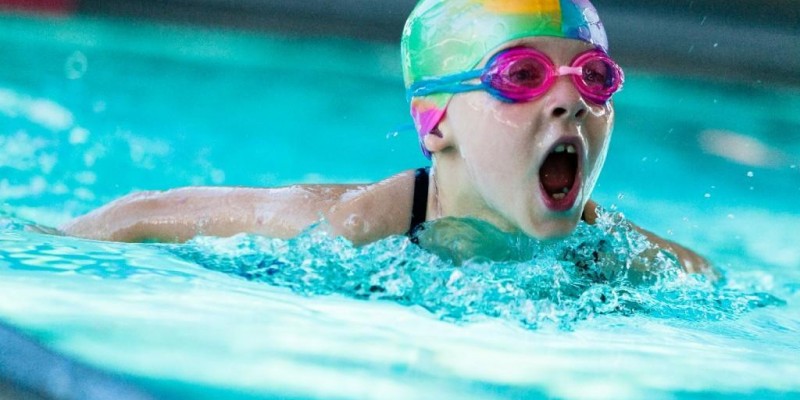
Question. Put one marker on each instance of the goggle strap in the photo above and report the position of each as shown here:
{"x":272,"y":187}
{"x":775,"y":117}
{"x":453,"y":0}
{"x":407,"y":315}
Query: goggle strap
{"x":445,"y":84}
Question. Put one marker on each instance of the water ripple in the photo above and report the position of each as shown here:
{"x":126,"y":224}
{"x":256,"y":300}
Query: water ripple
{"x":603,"y":270}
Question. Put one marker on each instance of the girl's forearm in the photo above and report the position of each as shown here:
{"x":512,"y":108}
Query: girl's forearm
{"x":181,"y":214}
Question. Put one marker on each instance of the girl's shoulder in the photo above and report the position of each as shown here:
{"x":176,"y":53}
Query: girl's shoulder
{"x":377,"y":210}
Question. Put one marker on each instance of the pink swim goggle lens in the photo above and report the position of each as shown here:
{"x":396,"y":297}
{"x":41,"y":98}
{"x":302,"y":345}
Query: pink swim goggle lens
{"x":521,"y":74}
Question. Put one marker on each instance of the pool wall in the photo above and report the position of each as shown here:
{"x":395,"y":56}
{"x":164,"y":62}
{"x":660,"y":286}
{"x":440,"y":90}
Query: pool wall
{"x":749,"y":40}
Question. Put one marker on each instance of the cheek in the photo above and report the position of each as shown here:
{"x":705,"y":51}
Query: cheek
{"x":491,"y":138}
{"x":598,"y":129}
{"x":484,"y":126}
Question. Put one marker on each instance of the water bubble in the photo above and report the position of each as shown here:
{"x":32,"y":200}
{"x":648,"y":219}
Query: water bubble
{"x":708,"y":195}
{"x":621,"y":196}
{"x":86,"y":178}
{"x":716,"y":45}
{"x":84,"y":194}
{"x":38,"y":185}
{"x":78,"y":135}
{"x":731,"y":216}
{"x":217,"y":176}
{"x":750,"y":174}
{"x":59,"y":189}
{"x":76,"y":65}
{"x":99,"y":106}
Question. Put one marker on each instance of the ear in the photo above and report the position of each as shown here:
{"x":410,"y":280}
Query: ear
{"x":440,"y":138}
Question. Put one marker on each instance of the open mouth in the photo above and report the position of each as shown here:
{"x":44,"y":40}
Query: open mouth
{"x":559,"y":177}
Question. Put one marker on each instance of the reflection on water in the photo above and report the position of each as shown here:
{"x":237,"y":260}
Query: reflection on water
{"x":219,"y":312}
{"x":742,"y":149}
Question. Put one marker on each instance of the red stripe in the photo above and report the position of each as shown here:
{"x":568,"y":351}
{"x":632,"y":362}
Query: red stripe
{"x":48,"y":6}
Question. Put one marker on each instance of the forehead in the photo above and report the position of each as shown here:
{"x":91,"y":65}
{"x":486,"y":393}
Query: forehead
{"x":561,"y":51}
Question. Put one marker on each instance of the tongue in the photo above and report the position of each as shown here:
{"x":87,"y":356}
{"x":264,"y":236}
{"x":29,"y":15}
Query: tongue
{"x":558,"y":172}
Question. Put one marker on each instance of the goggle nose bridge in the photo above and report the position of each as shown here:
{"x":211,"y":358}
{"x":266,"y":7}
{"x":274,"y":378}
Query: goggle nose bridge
{"x":568,"y":70}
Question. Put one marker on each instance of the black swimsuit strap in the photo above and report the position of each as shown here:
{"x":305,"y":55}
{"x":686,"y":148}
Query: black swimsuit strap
{"x":419,"y":209}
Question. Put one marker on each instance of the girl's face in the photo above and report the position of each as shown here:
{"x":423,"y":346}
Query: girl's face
{"x":529,"y":166}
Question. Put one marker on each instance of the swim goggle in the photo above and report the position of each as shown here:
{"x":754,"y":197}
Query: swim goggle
{"x":521,"y":74}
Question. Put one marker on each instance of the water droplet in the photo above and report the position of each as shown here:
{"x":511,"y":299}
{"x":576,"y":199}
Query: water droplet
{"x":76,"y":65}
{"x":78,"y":135}
{"x":83,"y":194}
{"x":750,"y":174}
{"x":716,"y":45}
{"x":708,"y":195}
{"x":217,"y":176}
{"x":86,"y":178}
{"x":99,"y":107}
{"x":38,"y":184}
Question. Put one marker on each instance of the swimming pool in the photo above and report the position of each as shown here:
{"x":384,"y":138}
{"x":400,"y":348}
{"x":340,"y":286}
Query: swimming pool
{"x":93,"y":109}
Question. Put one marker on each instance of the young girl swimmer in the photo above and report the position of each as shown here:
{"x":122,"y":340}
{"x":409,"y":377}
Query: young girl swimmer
{"x":512,"y":100}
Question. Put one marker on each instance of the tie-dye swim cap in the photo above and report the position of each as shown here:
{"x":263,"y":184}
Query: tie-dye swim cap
{"x":443,"y":37}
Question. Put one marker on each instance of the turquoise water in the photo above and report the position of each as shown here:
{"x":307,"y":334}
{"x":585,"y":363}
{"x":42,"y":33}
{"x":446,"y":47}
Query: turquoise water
{"x":91,"y":110}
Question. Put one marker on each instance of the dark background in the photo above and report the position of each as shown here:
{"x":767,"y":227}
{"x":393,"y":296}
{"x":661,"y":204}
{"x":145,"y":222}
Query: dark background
{"x":754,"y":41}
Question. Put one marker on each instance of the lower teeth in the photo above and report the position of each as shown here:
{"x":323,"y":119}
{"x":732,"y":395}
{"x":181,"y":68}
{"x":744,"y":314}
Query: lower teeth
{"x":559,"y":196}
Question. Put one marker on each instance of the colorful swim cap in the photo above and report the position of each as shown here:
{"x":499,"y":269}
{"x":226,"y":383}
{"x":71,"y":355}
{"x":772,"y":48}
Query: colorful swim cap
{"x":443,"y":37}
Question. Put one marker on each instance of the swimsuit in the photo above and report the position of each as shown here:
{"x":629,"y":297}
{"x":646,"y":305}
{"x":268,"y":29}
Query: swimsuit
{"x":419,"y":209}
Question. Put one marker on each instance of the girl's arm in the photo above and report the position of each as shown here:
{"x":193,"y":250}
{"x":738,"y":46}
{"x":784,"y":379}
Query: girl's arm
{"x":359,"y":213}
{"x":691,"y":261}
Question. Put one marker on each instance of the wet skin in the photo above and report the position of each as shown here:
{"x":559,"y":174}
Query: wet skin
{"x":489,"y":154}
{"x":487,"y":165}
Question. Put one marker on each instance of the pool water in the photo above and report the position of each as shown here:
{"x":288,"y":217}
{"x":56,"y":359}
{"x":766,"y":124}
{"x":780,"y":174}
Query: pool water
{"x":91,"y":110}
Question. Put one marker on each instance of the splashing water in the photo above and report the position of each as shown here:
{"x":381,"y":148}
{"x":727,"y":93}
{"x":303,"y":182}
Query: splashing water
{"x":466,"y":270}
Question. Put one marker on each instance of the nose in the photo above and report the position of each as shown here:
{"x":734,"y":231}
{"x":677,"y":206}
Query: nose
{"x":565,"y":102}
